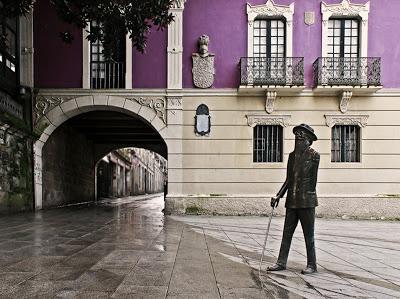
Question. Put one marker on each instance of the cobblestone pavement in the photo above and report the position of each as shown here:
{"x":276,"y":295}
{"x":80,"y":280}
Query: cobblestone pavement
{"x":129,"y":249}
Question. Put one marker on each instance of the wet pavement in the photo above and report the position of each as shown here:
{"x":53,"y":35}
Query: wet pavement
{"x":129,"y":249}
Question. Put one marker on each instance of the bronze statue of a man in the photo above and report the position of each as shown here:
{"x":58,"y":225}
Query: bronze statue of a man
{"x":301,"y":199}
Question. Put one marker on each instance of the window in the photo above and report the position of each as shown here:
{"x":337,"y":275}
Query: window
{"x":343,"y":49}
{"x":107,"y":73}
{"x":350,"y":33}
{"x":268,"y":143}
{"x":269,"y":38}
{"x":345,"y":145}
{"x":343,"y":38}
{"x":9,"y":53}
{"x":269,"y":51}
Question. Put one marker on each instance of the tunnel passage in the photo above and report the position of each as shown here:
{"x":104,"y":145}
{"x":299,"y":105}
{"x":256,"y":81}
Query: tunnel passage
{"x":72,"y":150}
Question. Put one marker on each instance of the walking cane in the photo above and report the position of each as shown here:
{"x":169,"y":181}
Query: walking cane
{"x":265,"y":243}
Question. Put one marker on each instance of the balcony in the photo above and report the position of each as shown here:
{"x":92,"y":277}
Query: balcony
{"x":107,"y":75}
{"x":271,"y":76}
{"x":347,"y":72}
{"x":271,"y":72}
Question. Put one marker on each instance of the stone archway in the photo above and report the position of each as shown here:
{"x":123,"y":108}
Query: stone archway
{"x":52,"y":111}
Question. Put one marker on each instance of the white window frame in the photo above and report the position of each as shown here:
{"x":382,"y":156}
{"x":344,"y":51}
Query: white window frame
{"x":270,"y":9}
{"x":345,"y":9}
{"x":86,"y":61}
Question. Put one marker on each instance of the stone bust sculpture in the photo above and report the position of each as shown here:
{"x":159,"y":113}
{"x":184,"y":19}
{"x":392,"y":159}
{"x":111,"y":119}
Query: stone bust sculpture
{"x":203,"y":45}
{"x":203,"y":64}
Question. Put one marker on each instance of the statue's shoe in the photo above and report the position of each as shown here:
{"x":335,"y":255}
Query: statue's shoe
{"x":276,"y":267}
{"x":309,"y":270}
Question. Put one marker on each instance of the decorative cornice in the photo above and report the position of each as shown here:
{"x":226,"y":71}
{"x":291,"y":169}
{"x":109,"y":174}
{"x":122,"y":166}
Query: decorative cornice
{"x":218,"y":92}
{"x":345,"y":8}
{"x":264,"y":119}
{"x":157,"y":104}
{"x":348,"y":119}
{"x":45,"y":104}
{"x":270,"y":9}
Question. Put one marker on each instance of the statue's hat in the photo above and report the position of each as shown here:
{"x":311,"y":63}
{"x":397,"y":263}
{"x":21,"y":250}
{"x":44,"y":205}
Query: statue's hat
{"x":307,"y":129}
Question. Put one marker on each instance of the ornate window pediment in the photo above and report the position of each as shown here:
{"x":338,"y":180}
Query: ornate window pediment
{"x":345,"y":9}
{"x":270,"y":9}
{"x":348,"y":119}
{"x":264,"y":119}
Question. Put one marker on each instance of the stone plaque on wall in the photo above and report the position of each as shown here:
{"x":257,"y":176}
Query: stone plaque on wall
{"x":309,"y":17}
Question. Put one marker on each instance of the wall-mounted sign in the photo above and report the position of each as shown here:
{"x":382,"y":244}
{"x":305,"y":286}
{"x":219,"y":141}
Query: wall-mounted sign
{"x":202,"y":121}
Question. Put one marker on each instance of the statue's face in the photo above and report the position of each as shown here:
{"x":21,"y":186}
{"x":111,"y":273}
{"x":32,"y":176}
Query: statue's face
{"x":203,"y":49}
{"x":302,"y":141}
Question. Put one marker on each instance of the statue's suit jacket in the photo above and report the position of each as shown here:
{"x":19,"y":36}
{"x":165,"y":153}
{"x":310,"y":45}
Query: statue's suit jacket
{"x":301,"y":180}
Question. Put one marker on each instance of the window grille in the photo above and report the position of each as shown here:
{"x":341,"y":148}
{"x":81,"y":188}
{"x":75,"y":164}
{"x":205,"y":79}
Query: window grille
{"x":268,"y":143}
{"x":345,"y":146}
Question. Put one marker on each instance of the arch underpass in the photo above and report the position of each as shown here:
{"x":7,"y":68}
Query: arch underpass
{"x":70,"y":153}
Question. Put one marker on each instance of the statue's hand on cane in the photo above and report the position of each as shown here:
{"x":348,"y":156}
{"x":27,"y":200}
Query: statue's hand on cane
{"x":275,"y":201}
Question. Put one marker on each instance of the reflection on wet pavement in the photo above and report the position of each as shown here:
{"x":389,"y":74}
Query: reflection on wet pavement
{"x":129,"y":249}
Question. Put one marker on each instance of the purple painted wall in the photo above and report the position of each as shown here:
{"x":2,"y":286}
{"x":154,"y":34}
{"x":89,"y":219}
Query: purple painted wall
{"x":149,"y":70}
{"x":57,"y":64}
{"x":60,"y":65}
{"x":225,"y":21}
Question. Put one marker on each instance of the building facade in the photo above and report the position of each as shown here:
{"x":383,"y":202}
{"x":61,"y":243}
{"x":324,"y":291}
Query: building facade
{"x":16,"y":136}
{"x":224,"y":86}
{"x":129,"y":172}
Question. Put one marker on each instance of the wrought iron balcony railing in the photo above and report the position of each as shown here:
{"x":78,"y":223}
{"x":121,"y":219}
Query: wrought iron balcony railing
{"x":107,"y":75}
{"x":365,"y":71}
{"x":283,"y":71}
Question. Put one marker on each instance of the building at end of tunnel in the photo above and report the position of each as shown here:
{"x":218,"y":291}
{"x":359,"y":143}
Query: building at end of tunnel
{"x":129,"y":172}
{"x":218,"y":94}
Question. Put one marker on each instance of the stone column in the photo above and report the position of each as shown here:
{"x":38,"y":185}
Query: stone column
{"x":175,"y":48}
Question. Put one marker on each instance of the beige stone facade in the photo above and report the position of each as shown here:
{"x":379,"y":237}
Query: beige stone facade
{"x":216,"y":173}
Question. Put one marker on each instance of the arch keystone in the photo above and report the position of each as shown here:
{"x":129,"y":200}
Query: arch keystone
{"x":116,"y":101}
{"x":100,"y":100}
{"x":84,"y":101}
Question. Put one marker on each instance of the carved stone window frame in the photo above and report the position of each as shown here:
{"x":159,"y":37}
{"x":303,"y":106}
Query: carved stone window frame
{"x":87,"y":59}
{"x":269,"y":120}
{"x":346,"y":119}
{"x":270,"y":9}
{"x":345,"y":9}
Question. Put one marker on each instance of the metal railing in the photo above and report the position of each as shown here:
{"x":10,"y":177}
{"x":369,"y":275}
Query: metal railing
{"x":272,"y":71}
{"x":107,"y":75}
{"x":361,"y":71}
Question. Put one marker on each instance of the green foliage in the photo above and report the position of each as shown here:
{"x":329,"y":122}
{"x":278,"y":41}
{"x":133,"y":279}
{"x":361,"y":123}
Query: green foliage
{"x":11,"y":9}
{"x":14,"y":8}
{"x":116,"y":18}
